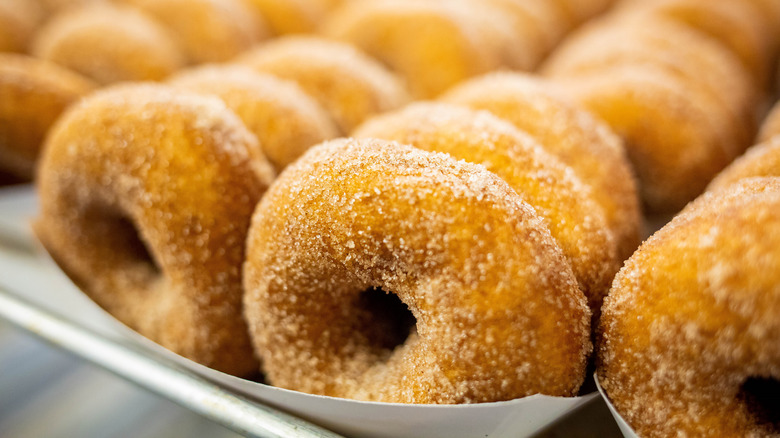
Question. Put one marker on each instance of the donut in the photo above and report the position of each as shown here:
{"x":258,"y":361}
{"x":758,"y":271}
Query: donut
{"x":771,"y":125}
{"x":19,"y":19}
{"x":208,"y":30}
{"x":694,"y":58}
{"x":109,"y":44}
{"x":357,"y":234}
{"x":688,"y":334}
{"x":738,"y":26}
{"x":579,"y":11}
{"x":432,"y":44}
{"x":285,"y":120}
{"x":33,"y":93}
{"x":574,"y":218}
{"x":676,"y":137}
{"x":146,"y":195}
{"x":292,"y":16}
{"x":759,"y":161}
{"x":346,"y":82}
{"x":541,"y":23}
{"x":566,"y":131}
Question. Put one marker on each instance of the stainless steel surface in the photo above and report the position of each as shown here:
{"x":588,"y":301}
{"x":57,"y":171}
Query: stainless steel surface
{"x":156,"y":375}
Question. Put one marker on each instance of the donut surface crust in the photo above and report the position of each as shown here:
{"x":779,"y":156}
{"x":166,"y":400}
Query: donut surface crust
{"x":691,"y":320}
{"x":476,"y":267}
{"x":146,"y":196}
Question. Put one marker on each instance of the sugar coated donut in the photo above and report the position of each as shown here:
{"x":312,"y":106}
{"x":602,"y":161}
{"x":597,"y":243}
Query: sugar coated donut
{"x":146,"y":197}
{"x":737,"y":25}
{"x":19,"y":20}
{"x":109,"y":44}
{"x":208,"y":30}
{"x":676,"y":137}
{"x":694,"y":58}
{"x":285,"y":119}
{"x":432,"y":44}
{"x":575,"y":220}
{"x":33,"y":93}
{"x":346,"y":82}
{"x":688,"y":343}
{"x":760,"y":160}
{"x":569,"y":133}
{"x":771,"y":126}
{"x":292,"y":16}
{"x":497,"y":310}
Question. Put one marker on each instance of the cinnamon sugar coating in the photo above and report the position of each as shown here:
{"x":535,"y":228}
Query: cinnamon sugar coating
{"x":208,"y":30}
{"x":146,"y":196}
{"x":285,"y":119}
{"x":109,"y":43}
{"x":569,"y":133}
{"x":432,"y":44}
{"x":574,"y":218}
{"x":497,"y":308}
{"x":346,"y":82}
{"x":760,"y":160}
{"x":692,"y":317}
{"x":770,"y":128}
{"x":33,"y":93}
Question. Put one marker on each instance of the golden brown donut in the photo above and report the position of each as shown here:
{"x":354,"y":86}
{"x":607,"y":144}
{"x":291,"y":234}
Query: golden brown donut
{"x":285,"y":119}
{"x":208,"y":30}
{"x":433,"y":44}
{"x":292,"y":16}
{"x":33,"y":93}
{"x":566,"y":131}
{"x":737,"y":25}
{"x":574,"y":218}
{"x":109,"y":44}
{"x":676,"y":137}
{"x":497,"y":310}
{"x":760,"y":160}
{"x":346,"y":82}
{"x":689,"y":330}
{"x":19,"y":20}
{"x":146,"y":196}
{"x":696,"y":59}
{"x":771,"y":125}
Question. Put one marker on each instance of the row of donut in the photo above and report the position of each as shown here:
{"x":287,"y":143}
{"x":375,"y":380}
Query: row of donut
{"x":683,"y":82}
{"x":432,"y":43}
{"x":146,"y":194}
{"x":319,"y":89}
{"x":688,"y":337}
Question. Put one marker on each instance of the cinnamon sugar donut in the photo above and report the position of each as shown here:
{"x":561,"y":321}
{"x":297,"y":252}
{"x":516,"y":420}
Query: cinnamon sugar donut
{"x":771,"y":126}
{"x":676,"y":136}
{"x":737,"y":25}
{"x":292,"y":16}
{"x":760,"y":160}
{"x":284,"y":119}
{"x":208,"y":30}
{"x":572,"y":135}
{"x":497,"y":310}
{"x":19,"y":20}
{"x":433,"y":44}
{"x":694,"y":58}
{"x":346,"y":82}
{"x":146,"y":196}
{"x":689,"y":331}
{"x":109,"y":44}
{"x":33,"y":93}
{"x":575,"y":220}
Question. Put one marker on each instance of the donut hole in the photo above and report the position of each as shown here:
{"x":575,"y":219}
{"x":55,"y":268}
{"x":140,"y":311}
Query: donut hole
{"x":132,"y":246}
{"x":388,"y":320}
{"x":761,"y":395}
